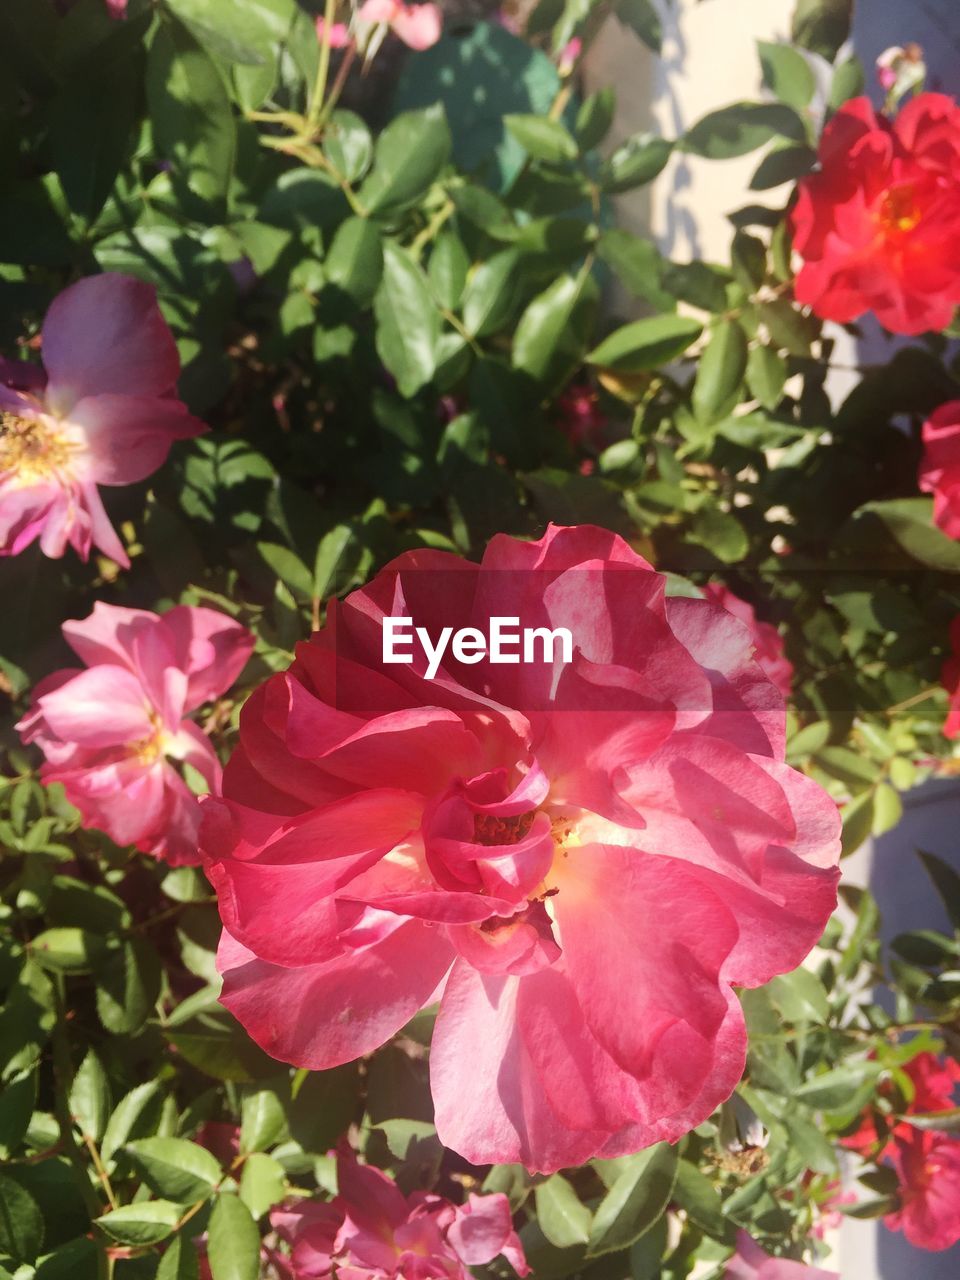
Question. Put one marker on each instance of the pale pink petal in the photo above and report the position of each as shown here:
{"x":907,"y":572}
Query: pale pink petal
{"x":418,"y":25}
{"x":105,"y":335}
{"x":321,"y":1016}
{"x":102,"y":707}
{"x":129,"y":436}
{"x":211,"y":648}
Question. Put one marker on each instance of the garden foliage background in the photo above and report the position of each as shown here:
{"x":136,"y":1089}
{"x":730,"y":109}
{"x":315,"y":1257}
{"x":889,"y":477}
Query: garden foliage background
{"x":385,"y":271}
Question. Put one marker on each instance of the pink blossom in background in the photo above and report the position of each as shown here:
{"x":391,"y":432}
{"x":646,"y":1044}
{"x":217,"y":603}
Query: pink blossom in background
{"x":104,"y":413}
{"x":339,"y":36}
{"x":568,"y":56}
{"x":579,"y":416}
{"x":417,"y":25}
{"x":927,"y":1165}
{"x":113,"y":734}
{"x":940,"y":466}
{"x":579,"y":859}
{"x":751,"y":1263}
{"x":767,"y":640}
{"x":371,"y":1231}
{"x":116,"y":8}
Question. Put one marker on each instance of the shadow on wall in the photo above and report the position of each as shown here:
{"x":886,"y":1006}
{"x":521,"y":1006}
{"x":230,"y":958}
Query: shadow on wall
{"x":897,"y":879}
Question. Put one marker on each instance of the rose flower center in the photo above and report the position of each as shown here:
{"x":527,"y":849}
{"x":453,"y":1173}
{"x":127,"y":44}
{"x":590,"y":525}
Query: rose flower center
{"x":491,"y":829}
{"x":32,"y":449}
{"x":900,"y":211}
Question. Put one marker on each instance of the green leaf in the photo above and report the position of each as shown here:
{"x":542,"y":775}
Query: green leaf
{"x":937,"y":1121}
{"x":330,"y":552}
{"x":17,"y":1101}
{"x":909,"y":521}
{"x":550,"y":335}
{"x":408,"y":323}
{"x":788,"y":327}
{"x":787,"y":74}
{"x":564,"y":1219}
{"x":741,"y":128}
{"x":946,"y":881}
{"x":128,"y":986}
{"x":721,"y":533}
{"x":695,"y":1193}
{"x":490,"y":292}
{"x":144,"y":1223}
{"x":67,"y":950}
{"x":175,"y":1168}
{"x":716,"y":390}
{"x":642,"y":17}
{"x":635,"y":162}
{"x":408,"y":158}
{"x":245,"y":33}
{"x":78,"y":1259}
{"x":838,"y":1087}
{"x":193,"y":121}
{"x":348,"y":145}
{"x":857,"y":822}
{"x":822,"y":25}
{"x":887,"y":809}
{"x":262,"y":1120}
{"x":636,"y":1201}
{"x":89,"y":1099}
{"x":800,"y":996}
{"x":595,"y":118}
{"x":179,"y":1261}
{"x":637,"y":265}
{"x":646,"y":344}
{"x":544,"y":139}
{"x":233,"y":1245}
{"x":766,"y":375}
{"x":136,"y":1115}
{"x":262,"y":1184}
{"x":354,"y":261}
{"x":92,"y":120}
{"x":21,"y":1222}
{"x":447,"y":269}
{"x":288,"y":567}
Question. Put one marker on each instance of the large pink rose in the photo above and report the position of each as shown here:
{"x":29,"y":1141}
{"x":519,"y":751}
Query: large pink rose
{"x":767,"y":640}
{"x":928,"y":1169}
{"x":878,"y":223}
{"x":371,"y":1231}
{"x":580,"y":858}
{"x":115,"y":733}
{"x":940,"y":466}
{"x":104,"y":413}
{"x":751,"y":1263}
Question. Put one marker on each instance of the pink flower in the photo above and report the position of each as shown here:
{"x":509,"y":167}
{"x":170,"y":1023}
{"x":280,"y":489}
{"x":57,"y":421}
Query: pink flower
{"x":568,"y":56}
{"x":579,"y":417}
{"x":339,"y":34}
{"x":927,"y":1165}
{"x":417,"y":25}
{"x":940,"y":466}
{"x":117,"y":8}
{"x":371,"y":1231}
{"x":582,"y":857}
{"x":767,"y":640}
{"x":751,"y":1263}
{"x":114,"y":733}
{"x":106,"y":414}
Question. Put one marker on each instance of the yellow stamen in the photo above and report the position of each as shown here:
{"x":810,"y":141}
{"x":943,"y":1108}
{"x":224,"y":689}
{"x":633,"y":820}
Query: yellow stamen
{"x":35,"y":448}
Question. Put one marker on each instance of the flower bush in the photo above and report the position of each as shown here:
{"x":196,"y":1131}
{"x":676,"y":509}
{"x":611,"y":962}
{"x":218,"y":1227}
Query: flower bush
{"x":318,"y":961}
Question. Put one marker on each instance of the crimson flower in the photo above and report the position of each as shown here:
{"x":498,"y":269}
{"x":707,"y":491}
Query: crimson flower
{"x":878,"y":224}
{"x":580,"y":858}
{"x":103,"y":413}
{"x":940,"y":466}
{"x":927,"y":1165}
{"x":934,"y":1079}
{"x":371,"y":1231}
{"x":114,"y":734}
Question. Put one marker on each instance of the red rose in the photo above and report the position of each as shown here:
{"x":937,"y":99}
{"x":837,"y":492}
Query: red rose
{"x":940,"y":466}
{"x":878,"y":225}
